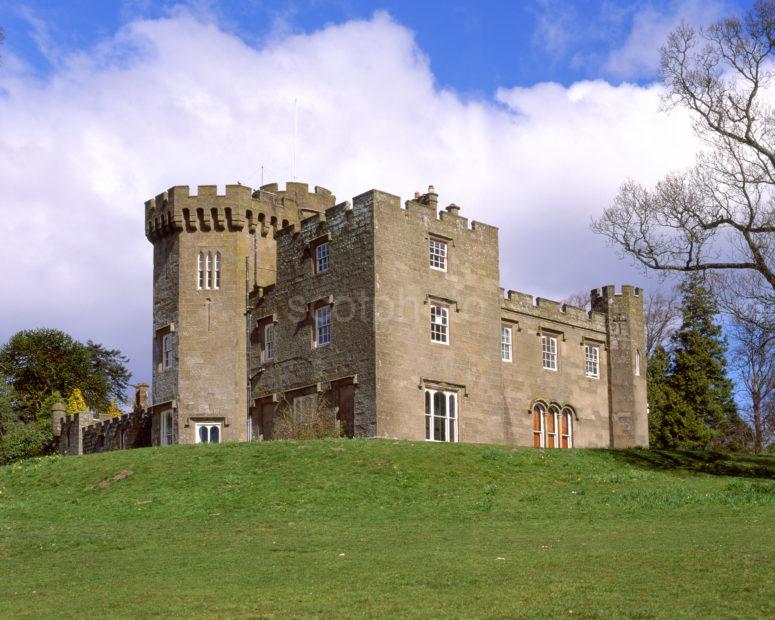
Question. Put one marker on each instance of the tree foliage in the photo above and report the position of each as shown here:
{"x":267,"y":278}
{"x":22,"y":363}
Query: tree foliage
{"x":36,"y":363}
{"x":720,"y":214}
{"x":75,"y":402}
{"x":690,"y":395}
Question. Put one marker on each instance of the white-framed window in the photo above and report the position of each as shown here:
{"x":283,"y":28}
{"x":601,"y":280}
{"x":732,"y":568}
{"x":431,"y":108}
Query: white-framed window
{"x":167,"y":428}
{"x":439,"y":324}
{"x":217,"y":283}
{"x":323,"y":326}
{"x":438,"y":255}
{"x":209,"y":271}
{"x":200,"y":271}
{"x":552,"y":428}
{"x":167,"y":351}
{"x":441,"y":415}
{"x":637,"y":363}
{"x":322,"y":257}
{"x":549,"y":352}
{"x":505,"y":343}
{"x":269,"y":342}
{"x":592,"y":360}
{"x":208,"y":432}
{"x":566,"y":428}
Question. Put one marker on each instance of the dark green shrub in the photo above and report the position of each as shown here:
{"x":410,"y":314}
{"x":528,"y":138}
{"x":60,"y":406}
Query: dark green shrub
{"x":24,"y":441}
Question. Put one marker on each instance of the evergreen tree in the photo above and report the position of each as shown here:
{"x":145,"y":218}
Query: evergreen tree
{"x":703,"y":392}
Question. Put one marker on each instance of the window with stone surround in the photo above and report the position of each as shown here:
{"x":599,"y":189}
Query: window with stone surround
{"x":269,"y":342}
{"x":592,"y":360}
{"x":439,"y":324}
{"x":441,"y":415}
{"x":209,"y":271}
{"x":167,"y":351}
{"x":552,"y":427}
{"x":323,"y":326}
{"x":207,"y":432}
{"x":438,"y":255}
{"x":217,"y":283}
{"x":637,"y":363}
{"x":322,"y":257}
{"x":200,"y":269}
{"x":549,"y":352}
{"x":505,"y":343}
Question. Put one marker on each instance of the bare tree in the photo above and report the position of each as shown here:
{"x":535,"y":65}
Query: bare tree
{"x":754,"y":361}
{"x":720,"y":214}
{"x":579,"y":300}
{"x":661,"y":317}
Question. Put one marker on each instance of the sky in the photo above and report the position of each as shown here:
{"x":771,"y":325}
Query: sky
{"x":529,"y":115}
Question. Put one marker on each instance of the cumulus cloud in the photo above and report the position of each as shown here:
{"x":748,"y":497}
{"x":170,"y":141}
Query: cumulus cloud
{"x":180,"y":100}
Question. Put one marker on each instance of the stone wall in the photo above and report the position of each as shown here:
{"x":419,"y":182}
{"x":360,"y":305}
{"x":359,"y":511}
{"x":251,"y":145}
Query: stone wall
{"x":83,"y":433}
{"x":342,"y":371}
{"x":208,"y":378}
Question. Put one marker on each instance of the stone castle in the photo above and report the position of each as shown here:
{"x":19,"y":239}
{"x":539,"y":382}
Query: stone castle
{"x":393,"y":316}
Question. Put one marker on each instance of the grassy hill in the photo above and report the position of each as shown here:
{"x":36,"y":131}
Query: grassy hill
{"x":384,"y":528}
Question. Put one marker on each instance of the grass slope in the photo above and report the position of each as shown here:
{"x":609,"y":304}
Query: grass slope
{"x":384,"y":528}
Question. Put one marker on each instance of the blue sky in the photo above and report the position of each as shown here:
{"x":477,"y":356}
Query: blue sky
{"x":528,"y":115}
{"x":473,"y":47}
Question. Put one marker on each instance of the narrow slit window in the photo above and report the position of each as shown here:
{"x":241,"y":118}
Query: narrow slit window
{"x":217,"y":270}
{"x":200,"y":268}
{"x":209,"y":271}
{"x":637,"y":363}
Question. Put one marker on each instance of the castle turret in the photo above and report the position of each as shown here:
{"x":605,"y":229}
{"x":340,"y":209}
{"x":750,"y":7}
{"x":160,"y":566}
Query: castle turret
{"x":209,"y":249}
{"x":626,"y":364}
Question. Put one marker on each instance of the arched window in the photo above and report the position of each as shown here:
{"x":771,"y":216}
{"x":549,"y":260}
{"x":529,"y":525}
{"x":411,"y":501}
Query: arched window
{"x":566,"y":428}
{"x":552,"y":420}
{"x":552,"y":427}
{"x":440,"y":415}
{"x":200,"y":271}
{"x":539,"y":411}
{"x":209,"y":271}
{"x":217,"y":270}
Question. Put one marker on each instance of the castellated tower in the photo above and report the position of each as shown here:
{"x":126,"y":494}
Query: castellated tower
{"x":626,"y":364}
{"x":209,"y":250}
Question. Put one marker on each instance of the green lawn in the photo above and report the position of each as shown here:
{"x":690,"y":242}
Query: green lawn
{"x":372,"y":528}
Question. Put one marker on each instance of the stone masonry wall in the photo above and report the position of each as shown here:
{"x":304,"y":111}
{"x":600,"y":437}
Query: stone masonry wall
{"x":347,"y":287}
{"x":525,"y":380}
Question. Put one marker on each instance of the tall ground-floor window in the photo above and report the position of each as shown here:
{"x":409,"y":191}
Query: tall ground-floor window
{"x":441,"y":415}
{"x":552,"y":428}
{"x":167,"y":429}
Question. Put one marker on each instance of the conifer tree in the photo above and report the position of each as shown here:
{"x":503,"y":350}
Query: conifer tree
{"x":704,"y":412}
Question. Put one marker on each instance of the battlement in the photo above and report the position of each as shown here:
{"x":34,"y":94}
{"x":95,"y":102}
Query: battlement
{"x":601,"y":297}
{"x":179,"y":209}
{"x":523,"y":303}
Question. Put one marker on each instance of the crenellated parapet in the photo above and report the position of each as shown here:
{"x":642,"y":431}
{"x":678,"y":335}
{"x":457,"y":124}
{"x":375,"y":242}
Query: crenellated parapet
{"x":265,"y":210}
{"x":604,"y":296}
{"x":547,"y":309}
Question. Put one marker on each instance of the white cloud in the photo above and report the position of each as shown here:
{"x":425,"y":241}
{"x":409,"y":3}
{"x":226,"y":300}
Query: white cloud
{"x":180,"y":101}
{"x":639,"y":56}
